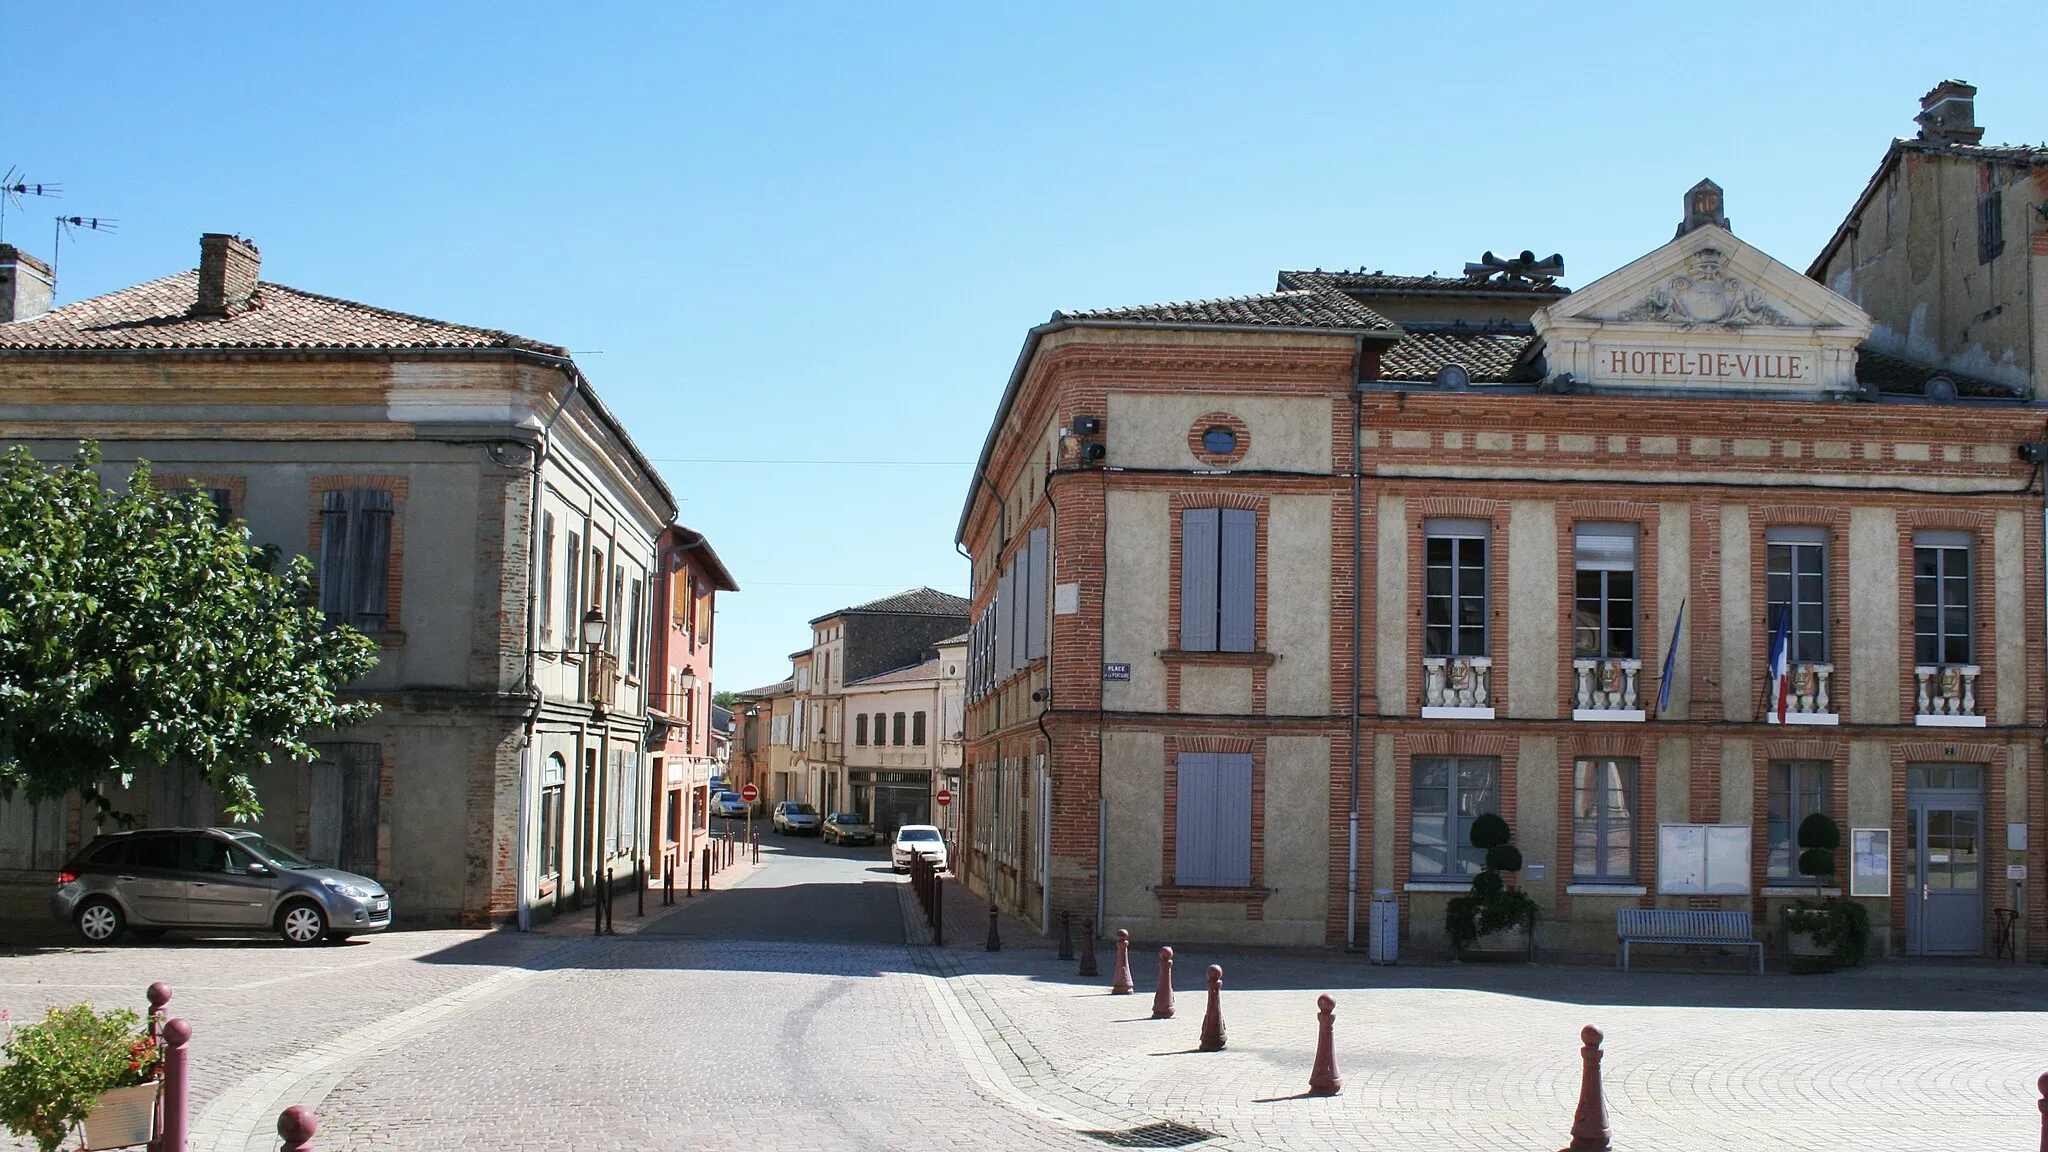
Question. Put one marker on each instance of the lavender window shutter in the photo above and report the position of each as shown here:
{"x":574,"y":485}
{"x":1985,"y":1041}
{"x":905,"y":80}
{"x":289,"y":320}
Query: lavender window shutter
{"x":1198,"y":541}
{"x":334,"y":553}
{"x":1237,"y":571}
{"x":1034,"y":600}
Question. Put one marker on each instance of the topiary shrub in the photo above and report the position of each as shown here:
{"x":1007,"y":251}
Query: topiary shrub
{"x":1842,"y":926}
{"x":1491,"y":906}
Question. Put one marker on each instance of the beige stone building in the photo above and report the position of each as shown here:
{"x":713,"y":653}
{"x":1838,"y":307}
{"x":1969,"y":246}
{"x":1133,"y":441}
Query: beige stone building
{"x":1947,"y":249}
{"x":467,"y":501}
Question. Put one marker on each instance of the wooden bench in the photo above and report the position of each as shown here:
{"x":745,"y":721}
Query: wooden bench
{"x":1684,"y":926}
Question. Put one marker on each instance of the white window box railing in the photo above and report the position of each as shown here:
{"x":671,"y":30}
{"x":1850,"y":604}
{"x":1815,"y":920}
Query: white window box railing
{"x":1945,"y":696}
{"x":1607,"y":689}
{"x":1810,"y":699}
{"x":1457,"y":687}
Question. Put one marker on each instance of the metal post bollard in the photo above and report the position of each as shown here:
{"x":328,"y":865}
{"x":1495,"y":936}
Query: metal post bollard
{"x":640,"y":885}
{"x":939,"y":917}
{"x":995,"y":939}
{"x":1088,"y":949}
{"x":1589,"y":1123}
{"x":668,"y":882}
{"x":707,"y":869}
{"x":1212,"y":1021}
{"x":1162,"y":997}
{"x":757,"y":847}
{"x":295,"y":1126}
{"x":177,"y":1093}
{"x":596,"y":906}
{"x":1066,"y":935}
{"x":1323,"y":1079}
{"x":1120,"y":984}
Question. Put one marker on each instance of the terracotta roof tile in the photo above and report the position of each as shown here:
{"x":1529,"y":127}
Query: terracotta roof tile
{"x":1383,"y":282}
{"x":159,"y":315}
{"x":1307,"y":308}
{"x":916,"y":602}
{"x":1490,"y":354}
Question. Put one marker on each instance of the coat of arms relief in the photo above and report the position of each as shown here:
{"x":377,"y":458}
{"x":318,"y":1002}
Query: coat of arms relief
{"x":1706,"y":294}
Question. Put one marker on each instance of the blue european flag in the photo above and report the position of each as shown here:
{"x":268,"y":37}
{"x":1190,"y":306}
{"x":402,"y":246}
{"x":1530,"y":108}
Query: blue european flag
{"x":1670,"y":661}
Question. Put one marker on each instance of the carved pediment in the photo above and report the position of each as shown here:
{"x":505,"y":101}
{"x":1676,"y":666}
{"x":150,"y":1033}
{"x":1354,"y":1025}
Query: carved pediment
{"x":1706,"y":292}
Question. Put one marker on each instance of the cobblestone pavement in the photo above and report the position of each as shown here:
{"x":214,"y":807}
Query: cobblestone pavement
{"x":787,"y":1011}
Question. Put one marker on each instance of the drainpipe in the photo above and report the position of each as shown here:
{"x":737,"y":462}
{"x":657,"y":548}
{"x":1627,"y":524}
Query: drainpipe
{"x":1357,"y":641}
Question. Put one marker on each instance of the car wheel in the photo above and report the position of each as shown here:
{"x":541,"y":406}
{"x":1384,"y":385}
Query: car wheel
{"x":302,"y":923}
{"x":101,"y":922}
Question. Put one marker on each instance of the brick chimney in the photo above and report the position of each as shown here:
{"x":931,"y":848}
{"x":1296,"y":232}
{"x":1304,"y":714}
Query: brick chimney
{"x":1948,"y":114}
{"x":26,"y":285}
{"x":227,"y":274}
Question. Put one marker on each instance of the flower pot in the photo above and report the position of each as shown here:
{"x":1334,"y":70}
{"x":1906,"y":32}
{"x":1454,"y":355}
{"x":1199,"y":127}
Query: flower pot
{"x":1802,"y":944}
{"x":1506,"y":944}
{"x":124,"y":1117}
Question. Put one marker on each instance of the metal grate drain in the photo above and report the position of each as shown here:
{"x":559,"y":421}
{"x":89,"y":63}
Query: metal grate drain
{"x":1165,"y":1134}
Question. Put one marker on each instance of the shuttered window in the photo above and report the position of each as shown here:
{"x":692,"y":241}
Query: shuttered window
{"x":1034,"y":596}
{"x":1218,"y":580}
{"x":342,"y":814}
{"x":1212,"y":843}
{"x":572,"y":595}
{"x":860,"y":730}
{"x":355,"y":557}
{"x":547,"y":577}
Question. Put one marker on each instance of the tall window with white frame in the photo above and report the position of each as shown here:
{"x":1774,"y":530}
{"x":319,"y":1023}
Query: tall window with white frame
{"x":1941,"y":598}
{"x":1604,"y":820}
{"x":1604,"y":620}
{"x":1454,"y":588}
{"x":1219,"y":580}
{"x":1798,"y":789}
{"x":1449,"y":792}
{"x":553,"y":783}
{"x":1796,"y":590}
{"x":547,"y":577}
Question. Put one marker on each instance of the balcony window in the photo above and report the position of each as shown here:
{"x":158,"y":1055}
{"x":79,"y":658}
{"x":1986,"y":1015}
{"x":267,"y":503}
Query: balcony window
{"x":1941,"y":598}
{"x":1795,"y":588}
{"x":1454,"y":588}
{"x":1604,"y":560}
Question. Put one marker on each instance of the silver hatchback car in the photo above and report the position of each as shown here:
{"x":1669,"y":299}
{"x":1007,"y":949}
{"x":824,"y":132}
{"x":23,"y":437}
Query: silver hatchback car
{"x":211,"y":880}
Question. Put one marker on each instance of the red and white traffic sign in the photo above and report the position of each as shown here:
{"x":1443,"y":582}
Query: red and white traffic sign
{"x":944,"y":797}
{"x":750,"y":793}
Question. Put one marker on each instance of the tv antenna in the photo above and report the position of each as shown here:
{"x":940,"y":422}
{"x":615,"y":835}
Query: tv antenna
{"x":69,"y":226}
{"x":14,"y":185}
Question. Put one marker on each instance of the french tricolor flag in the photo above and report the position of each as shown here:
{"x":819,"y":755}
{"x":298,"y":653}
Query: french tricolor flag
{"x":1781,"y":662}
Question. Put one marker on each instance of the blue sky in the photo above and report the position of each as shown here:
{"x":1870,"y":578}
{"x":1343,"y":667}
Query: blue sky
{"x":818,"y":233}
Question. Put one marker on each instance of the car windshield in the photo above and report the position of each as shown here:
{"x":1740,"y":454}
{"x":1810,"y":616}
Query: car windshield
{"x":803,"y":810}
{"x":848,"y":818}
{"x":918,"y":834}
{"x":271,"y":851}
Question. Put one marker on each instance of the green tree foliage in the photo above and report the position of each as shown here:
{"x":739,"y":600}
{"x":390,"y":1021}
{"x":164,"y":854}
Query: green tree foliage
{"x":137,"y":630}
{"x":730,"y":701}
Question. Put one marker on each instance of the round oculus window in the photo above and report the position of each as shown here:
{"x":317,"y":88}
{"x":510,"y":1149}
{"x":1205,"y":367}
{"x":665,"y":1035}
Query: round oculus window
{"x":1219,"y":441}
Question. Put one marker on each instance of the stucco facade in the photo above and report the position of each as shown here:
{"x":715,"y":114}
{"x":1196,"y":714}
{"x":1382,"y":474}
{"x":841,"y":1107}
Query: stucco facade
{"x":301,"y":413}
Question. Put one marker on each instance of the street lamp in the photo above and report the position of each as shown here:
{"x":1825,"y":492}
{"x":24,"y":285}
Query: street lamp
{"x":594,"y":629}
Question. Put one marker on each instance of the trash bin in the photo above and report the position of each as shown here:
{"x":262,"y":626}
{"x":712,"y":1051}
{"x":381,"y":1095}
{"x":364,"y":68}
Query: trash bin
{"x":1383,"y":943}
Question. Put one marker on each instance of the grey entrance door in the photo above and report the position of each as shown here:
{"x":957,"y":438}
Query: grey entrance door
{"x":1944,"y":860}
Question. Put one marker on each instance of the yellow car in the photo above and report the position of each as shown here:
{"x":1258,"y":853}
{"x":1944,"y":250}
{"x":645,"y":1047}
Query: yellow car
{"x":848,"y":828}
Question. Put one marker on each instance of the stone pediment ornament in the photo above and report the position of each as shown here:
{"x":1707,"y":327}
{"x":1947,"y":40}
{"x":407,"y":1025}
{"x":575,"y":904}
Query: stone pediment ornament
{"x":1705,"y":294}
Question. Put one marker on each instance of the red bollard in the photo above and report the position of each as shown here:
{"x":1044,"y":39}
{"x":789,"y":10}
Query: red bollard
{"x":1212,"y":1022}
{"x":2042,"y":1084}
{"x":1589,"y":1123}
{"x":1088,"y":949}
{"x":707,"y":868}
{"x":177,"y":1092}
{"x":1162,"y":998}
{"x":295,"y":1126}
{"x":159,"y":995}
{"x":1120,"y":984}
{"x":995,"y":938}
{"x":757,"y":847}
{"x":1323,"y":1079}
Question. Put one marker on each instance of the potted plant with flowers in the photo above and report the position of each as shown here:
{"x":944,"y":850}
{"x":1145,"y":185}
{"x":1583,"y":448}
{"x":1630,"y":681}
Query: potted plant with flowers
{"x":78,"y":1067}
{"x":1494,"y":920}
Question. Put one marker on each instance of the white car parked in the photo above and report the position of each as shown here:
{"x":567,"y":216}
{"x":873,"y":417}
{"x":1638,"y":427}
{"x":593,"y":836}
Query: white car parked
{"x":729,"y":805}
{"x":917,"y":840}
